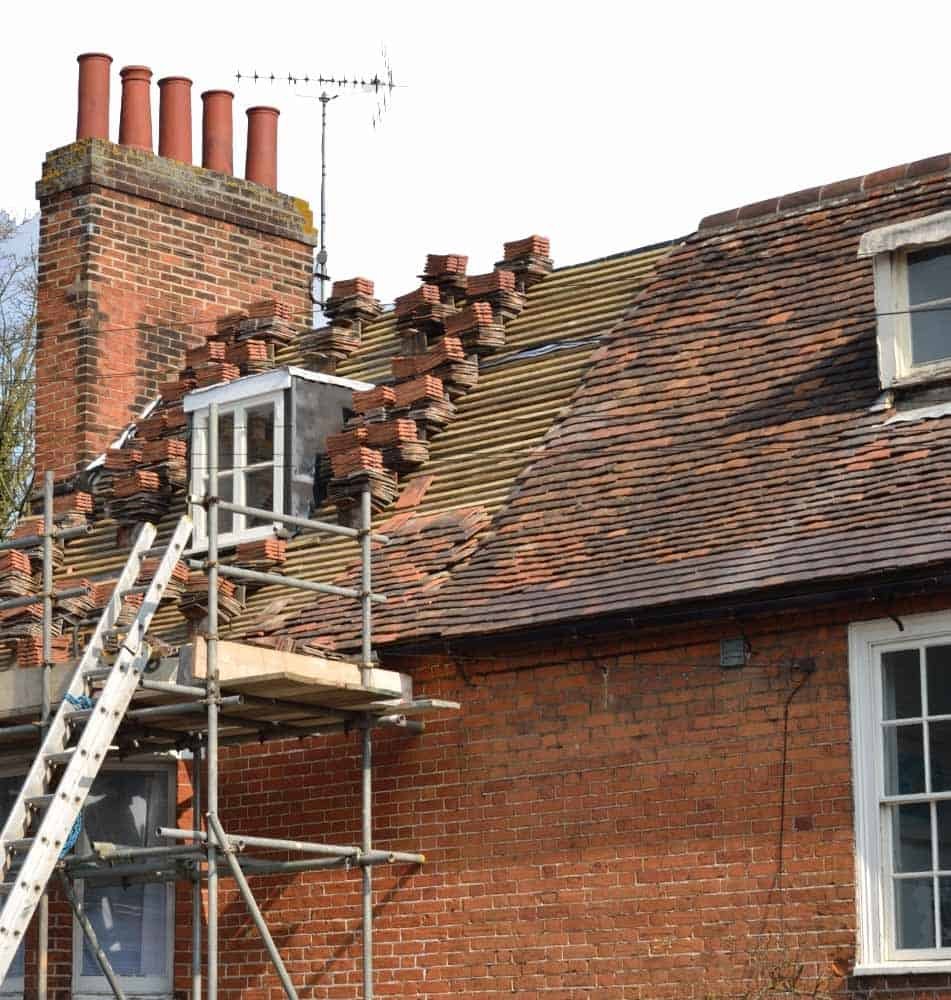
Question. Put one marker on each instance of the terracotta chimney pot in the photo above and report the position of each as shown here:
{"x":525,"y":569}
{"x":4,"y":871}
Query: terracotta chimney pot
{"x":92,"y":118}
{"x":175,"y":118}
{"x":217,"y":131}
{"x":135,"y":117}
{"x":261,"y":163}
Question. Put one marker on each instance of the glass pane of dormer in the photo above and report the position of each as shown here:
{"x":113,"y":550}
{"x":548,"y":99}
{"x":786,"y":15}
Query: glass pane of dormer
{"x":929,"y":288}
{"x":226,"y":441}
{"x":929,"y":275}
{"x":260,"y":424}
{"x":259,"y":492}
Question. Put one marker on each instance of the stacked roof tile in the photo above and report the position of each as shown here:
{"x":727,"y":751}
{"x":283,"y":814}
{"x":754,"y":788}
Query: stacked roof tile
{"x":445,"y":505}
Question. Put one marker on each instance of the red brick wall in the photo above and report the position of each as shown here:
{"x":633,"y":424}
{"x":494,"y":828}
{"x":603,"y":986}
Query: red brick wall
{"x":137,"y":254}
{"x":600,"y":820}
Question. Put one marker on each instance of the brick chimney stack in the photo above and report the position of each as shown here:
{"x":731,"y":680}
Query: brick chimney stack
{"x":140,"y":253}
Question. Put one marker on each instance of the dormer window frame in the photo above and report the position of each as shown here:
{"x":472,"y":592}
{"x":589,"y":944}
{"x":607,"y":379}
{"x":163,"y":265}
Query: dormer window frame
{"x":890,"y":247}
{"x":306,"y":406}
{"x":233,"y":475}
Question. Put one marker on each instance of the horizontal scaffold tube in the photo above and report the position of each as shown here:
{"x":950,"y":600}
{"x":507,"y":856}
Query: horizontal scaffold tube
{"x":275,"y":579}
{"x":25,"y":602}
{"x":304,"y":847}
{"x":297,"y":522}
{"x":34,"y":541}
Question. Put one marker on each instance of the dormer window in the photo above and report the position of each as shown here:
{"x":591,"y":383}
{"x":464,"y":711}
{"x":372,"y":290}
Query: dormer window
{"x":272,"y":430}
{"x":912,"y":267}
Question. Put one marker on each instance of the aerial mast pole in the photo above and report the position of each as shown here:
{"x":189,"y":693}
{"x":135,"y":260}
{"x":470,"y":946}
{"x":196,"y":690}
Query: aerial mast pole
{"x":322,"y":274}
{"x":380,"y":84}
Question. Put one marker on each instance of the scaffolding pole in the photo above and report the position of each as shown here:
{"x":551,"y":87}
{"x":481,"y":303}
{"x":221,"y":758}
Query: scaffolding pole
{"x":215,"y":828}
{"x":43,"y":913}
{"x":366,"y":797}
{"x":211,"y":793}
{"x":197,"y":855}
{"x":196,"y":877}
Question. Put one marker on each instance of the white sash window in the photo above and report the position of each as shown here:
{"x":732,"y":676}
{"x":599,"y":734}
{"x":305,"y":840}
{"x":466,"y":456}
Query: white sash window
{"x":901,"y":727}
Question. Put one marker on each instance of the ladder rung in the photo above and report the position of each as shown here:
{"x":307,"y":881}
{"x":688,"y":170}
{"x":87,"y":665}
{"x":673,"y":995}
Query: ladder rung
{"x":27,"y":862}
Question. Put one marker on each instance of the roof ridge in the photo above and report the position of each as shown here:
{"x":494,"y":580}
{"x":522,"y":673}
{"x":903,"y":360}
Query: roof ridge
{"x":816,"y":197}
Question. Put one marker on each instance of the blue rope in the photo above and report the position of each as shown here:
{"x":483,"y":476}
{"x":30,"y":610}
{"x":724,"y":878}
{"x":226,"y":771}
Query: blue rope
{"x":77,"y":701}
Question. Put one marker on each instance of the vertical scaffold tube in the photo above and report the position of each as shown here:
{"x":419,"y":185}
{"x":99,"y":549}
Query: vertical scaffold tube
{"x":196,"y":882}
{"x":366,"y":790}
{"x":366,"y":580}
{"x":43,"y":912}
{"x":211,"y":793}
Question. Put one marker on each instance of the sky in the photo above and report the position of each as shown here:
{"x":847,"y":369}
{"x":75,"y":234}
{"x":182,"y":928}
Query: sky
{"x":604,"y":126}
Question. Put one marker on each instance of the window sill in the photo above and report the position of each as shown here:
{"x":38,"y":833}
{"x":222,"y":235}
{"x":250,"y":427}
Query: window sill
{"x":232,"y":540}
{"x":903,"y":969}
{"x":925,"y":375}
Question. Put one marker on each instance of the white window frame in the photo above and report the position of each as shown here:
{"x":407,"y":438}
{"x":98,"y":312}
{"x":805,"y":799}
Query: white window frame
{"x":867,"y":641}
{"x":889,"y":247}
{"x":199,"y":463}
{"x":153,"y":987}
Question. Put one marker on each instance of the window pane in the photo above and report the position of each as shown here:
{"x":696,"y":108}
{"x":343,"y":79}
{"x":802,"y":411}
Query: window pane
{"x":911,"y":837}
{"x":944,"y":835}
{"x":226,"y":441}
{"x":944,"y":902}
{"x":125,"y":807}
{"x":930,"y":335}
{"x":901,"y":680}
{"x":940,"y":747}
{"x":226,"y":492}
{"x":259,"y":490}
{"x":904,"y":760}
{"x":938,"y":659}
{"x":929,"y":275}
{"x":914,"y":912}
{"x":260,"y":424}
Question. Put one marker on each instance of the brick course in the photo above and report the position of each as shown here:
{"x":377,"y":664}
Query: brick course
{"x":138,"y":256}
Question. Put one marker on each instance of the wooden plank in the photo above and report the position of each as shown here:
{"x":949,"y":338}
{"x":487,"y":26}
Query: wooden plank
{"x":277,"y":674}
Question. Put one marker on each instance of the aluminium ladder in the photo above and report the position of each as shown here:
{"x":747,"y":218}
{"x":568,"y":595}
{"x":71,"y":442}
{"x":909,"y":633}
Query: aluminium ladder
{"x":72,"y":754}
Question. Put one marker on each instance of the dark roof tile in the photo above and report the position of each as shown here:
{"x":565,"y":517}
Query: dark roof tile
{"x":725,"y":438}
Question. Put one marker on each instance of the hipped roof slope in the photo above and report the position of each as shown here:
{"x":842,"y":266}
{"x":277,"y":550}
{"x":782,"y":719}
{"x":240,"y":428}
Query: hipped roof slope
{"x":726,"y":437}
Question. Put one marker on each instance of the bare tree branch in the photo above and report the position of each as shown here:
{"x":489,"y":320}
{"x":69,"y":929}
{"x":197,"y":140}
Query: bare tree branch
{"x":17,"y":374}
